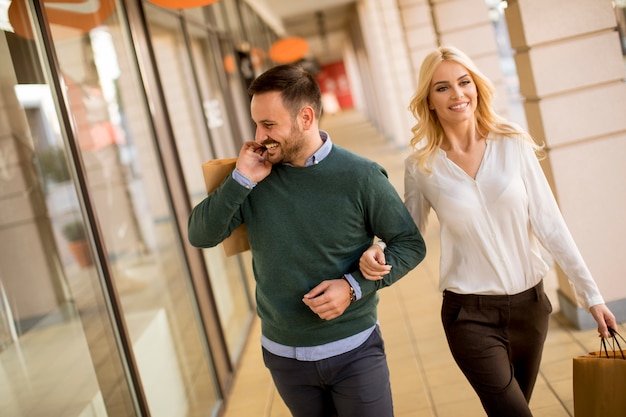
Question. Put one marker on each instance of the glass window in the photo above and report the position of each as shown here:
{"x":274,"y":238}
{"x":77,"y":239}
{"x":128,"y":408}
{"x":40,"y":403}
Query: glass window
{"x":201,"y":119}
{"x":60,"y":354}
{"x":196,"y":14}
{"x":257,"y":33}
{"x":229,"y":18}
{"x":239,"y":73}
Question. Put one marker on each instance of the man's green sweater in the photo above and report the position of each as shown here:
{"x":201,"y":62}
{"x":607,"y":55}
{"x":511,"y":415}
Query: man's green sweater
{"x":307,"y":225}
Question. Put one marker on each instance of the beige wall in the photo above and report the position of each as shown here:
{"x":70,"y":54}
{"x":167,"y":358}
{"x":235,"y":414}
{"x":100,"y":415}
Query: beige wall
{"x":571,"y":71}
{"x":419,"y":30}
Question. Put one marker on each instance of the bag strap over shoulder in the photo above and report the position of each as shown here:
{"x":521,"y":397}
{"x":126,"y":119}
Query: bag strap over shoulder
{"x":615,"y":336}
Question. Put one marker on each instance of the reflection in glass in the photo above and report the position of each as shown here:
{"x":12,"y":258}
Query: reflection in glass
{"x":140,"y":233}
{"x":227,"y":15}
{"x":59,"y":347}
{"x":58,"y":351}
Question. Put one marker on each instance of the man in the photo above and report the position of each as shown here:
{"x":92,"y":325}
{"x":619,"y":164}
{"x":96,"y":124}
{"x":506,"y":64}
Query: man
{"x":311,"y":209}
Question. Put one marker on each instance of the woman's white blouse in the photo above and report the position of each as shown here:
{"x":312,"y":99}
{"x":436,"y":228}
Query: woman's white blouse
{"x":492,"y":226}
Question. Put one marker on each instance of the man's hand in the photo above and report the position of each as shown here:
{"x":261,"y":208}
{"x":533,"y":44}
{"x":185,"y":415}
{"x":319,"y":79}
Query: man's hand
{"x":372,"y":263}
{"x":252,"y":161}
{"x":329,"y":299}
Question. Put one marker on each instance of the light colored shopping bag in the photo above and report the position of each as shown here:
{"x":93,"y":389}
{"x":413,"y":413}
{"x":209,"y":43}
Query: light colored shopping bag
{"x":214,"y":172}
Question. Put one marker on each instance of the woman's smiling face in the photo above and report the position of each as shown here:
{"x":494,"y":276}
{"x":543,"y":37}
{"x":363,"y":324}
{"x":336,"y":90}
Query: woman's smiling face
{"x":453,"y":95}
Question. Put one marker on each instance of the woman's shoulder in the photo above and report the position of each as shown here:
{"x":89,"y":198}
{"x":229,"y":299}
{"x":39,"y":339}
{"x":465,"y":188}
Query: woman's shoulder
{"x":511,"y":134}
{"x":413,"y":168}
{"x":515,"y":145}
{"x":411,"y":162}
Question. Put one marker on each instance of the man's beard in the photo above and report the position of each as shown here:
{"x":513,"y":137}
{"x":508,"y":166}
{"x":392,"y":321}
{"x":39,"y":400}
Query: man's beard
{"x":291,"y":151}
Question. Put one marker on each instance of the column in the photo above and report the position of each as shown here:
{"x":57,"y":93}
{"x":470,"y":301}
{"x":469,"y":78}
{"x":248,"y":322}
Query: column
{"x":571,"y":72}
{"x":389,"y":64}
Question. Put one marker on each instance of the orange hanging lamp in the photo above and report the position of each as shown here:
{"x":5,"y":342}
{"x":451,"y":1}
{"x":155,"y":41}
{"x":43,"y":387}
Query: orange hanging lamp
{"x":288,"y":50}
{"x":229,"y":64}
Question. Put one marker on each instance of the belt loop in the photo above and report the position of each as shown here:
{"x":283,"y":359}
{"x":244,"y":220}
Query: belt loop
{"x":479,"y":299}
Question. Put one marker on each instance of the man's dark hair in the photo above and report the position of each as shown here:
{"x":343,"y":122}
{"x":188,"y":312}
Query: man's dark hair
{"x":297,"y":88}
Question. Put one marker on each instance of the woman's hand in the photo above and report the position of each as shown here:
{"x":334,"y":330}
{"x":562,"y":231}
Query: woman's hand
{"x":604,"y":318}
{"x":372,"y":263}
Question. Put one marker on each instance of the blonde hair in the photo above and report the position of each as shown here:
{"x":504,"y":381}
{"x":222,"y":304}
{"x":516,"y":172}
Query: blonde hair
{"x":428,"y":127}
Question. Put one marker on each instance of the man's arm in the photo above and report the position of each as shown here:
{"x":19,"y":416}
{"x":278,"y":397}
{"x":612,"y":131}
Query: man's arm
{"x":392,"y":223}
{"x":215,"y":218}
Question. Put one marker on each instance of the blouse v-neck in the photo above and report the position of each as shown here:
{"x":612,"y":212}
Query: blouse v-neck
{"x":458,"y":168}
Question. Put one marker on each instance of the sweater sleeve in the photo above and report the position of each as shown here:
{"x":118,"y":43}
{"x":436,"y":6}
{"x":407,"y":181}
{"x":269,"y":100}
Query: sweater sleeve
{"x":215,"y":217}
{"x":548,"y":225}
{"x":390,"y":221}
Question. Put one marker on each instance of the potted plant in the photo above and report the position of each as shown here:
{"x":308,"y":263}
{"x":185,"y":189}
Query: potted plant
{"x":74,"y":233}
{"x":53,"y":165}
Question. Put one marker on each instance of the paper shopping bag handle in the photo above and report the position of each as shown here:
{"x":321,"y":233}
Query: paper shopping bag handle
{"x":615,"y":336}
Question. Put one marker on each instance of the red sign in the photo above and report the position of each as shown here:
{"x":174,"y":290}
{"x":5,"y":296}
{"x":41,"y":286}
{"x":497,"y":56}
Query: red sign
{"x":333,"y":81}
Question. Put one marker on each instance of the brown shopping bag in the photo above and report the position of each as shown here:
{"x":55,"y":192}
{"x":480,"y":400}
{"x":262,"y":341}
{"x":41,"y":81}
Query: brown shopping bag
{"x":600,"y":381}
{"x":214,"y":172}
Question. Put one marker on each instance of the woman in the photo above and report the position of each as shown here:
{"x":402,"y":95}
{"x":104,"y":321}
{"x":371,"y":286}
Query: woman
{"x":481,"y":175}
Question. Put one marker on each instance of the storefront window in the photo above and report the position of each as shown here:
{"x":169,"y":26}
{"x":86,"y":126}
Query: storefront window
{"x":201,"y":120}
{"x":60,"y":351}
{"x":59,"y":355}
{"x":218,"y":13}
{"x":259,"y":35}
{"x":239,"y":74}
{"x":229,"y":17}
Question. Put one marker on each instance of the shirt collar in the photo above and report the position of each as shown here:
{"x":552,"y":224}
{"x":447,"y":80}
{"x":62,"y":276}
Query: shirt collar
{"x":322,"y":152}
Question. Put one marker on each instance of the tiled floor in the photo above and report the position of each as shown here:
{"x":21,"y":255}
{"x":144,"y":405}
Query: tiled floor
{"x":424,"y":378}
